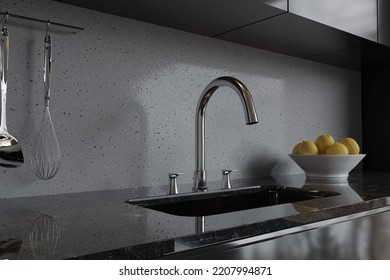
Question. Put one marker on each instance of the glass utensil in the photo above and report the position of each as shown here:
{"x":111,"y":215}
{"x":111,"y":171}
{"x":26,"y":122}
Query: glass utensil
{"x":11,"y":154}
{"x":46,"y":156}
{"x":43,"y":237}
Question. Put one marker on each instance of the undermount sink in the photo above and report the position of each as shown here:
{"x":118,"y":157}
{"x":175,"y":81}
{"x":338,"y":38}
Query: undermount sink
{"x":224,"y":201}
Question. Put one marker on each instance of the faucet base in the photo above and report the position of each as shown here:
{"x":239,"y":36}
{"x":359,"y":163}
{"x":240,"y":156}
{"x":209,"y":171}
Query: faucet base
{"x":200,"y":181}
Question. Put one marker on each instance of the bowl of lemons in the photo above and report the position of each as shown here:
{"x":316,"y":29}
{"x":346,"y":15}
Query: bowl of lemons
{"x":326,"y":160}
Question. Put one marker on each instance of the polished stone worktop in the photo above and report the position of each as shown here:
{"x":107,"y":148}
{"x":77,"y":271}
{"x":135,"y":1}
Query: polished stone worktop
{"x":99,"y":225}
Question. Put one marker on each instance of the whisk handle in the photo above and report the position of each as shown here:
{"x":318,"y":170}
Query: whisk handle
{"x":4,"y":77}
{"x":47,"y":69}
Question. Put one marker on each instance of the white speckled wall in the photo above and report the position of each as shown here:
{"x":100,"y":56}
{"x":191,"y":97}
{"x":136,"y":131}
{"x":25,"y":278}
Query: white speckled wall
{"x":124,"y":95}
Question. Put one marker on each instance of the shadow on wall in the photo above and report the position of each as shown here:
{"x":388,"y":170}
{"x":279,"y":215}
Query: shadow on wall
{"x":256,"y":166}
{"x":117,"y":143}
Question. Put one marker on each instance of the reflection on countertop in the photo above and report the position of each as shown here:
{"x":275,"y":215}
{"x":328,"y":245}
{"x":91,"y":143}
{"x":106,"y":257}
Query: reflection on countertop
{"x":100,"y":225}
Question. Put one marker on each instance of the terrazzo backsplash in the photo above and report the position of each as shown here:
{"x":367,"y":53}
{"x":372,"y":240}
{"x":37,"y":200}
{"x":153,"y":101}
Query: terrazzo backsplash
{"x":124,"y":95}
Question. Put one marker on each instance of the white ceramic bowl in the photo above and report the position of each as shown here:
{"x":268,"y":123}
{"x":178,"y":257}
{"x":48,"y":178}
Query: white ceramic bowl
{"x":327,"y":168}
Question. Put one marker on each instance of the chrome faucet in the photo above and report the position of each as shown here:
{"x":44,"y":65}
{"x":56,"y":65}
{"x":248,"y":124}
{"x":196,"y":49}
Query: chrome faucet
{"x":250,"y":113}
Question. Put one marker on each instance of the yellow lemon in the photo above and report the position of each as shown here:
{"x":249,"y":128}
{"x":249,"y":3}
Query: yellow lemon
{"x":308,"y":148}
{"x":336,"y":149}
{"x":352,"y":145}
{"x":295,"y":151}
{"x":323,"y":141}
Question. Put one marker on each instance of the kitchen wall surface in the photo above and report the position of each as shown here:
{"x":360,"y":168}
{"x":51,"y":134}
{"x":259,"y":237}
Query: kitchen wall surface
{"x":124,"y":95}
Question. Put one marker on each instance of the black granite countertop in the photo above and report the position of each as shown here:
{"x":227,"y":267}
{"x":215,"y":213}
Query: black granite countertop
{"x":100,"y":225}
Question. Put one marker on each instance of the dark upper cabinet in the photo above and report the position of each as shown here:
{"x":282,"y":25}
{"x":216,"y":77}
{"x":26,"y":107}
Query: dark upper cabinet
{"x":342,"y":33}
{"x":300,"y":37}
{"x":205,"y":17}
{"x":358,"y":17}
{"x":384,"y":22}
{"x":337,"y":32}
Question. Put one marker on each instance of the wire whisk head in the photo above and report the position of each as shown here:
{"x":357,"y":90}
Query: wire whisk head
{"x":43,"y":237}
{"x":46,"y":156}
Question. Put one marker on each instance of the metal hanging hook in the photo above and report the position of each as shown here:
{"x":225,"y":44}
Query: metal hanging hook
{"x":47,"y":36}
{"x":5,"y":21}
{"x":47,"y":27}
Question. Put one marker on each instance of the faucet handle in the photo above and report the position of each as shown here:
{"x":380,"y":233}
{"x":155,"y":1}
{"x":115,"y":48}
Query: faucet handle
{"x":226,"y":178}
{"x":173,"y":182}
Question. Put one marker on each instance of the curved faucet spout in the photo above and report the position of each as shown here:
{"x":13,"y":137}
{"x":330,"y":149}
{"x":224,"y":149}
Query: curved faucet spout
{"x":250,"y":114}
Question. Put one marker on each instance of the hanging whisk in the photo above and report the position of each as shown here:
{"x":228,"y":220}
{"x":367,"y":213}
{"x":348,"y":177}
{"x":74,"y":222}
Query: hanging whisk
{"x":44,"y":236}
{"x":46,"y":156}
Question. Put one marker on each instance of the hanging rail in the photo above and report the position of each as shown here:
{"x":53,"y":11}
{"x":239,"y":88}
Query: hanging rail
{"x":41,"y":21}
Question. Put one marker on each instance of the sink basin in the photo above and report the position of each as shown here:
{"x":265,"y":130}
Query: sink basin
{"x":224,"y":201}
